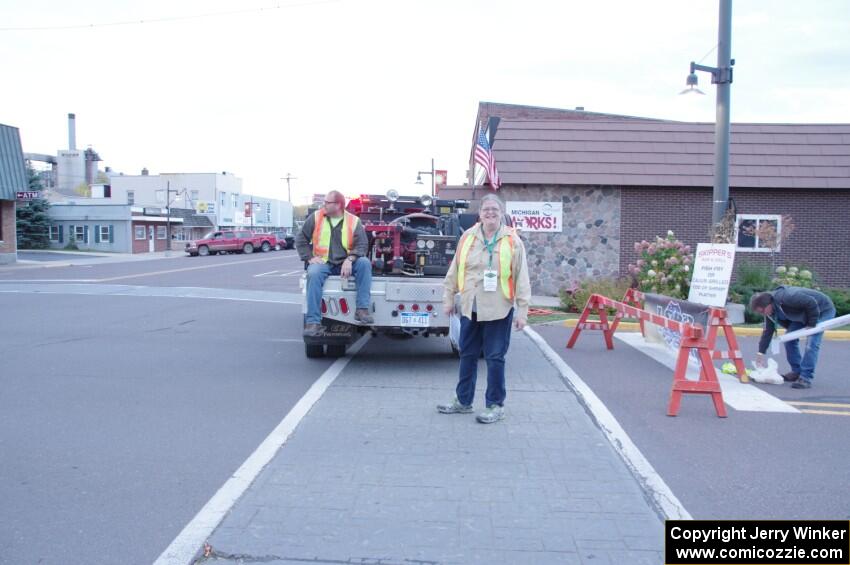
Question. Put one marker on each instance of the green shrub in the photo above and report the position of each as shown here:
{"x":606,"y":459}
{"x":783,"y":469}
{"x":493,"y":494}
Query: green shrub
{"x":795,"y":276}
{"x":574,"y":300}
{"x":841,"y":298}
{"x":753,"y":275}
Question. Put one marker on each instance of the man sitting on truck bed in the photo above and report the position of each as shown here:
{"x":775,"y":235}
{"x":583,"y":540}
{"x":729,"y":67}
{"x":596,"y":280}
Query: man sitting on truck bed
{"x":333,"y":242}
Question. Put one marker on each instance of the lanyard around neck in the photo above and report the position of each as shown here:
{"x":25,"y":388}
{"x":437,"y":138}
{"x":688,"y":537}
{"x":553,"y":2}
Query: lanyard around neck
{"x":490,"y":245}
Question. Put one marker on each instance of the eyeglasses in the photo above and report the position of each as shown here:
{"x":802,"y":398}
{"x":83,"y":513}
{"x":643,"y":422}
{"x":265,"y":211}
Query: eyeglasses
{"x":331,"y":202}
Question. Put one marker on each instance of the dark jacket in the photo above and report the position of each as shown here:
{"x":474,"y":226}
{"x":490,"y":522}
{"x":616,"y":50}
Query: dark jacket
{"x":337,"y":253}
{"x":794,"y":304}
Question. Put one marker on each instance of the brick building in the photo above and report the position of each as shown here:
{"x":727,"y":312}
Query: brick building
{"x":622,"y":179}
{"x":13,"y":179}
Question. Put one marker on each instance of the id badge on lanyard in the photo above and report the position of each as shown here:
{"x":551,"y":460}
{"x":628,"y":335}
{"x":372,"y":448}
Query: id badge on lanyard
{"x":491,"y":280}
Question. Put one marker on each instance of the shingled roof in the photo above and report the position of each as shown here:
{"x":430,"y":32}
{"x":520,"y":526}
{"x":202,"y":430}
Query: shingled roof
{"x":662,"y":153}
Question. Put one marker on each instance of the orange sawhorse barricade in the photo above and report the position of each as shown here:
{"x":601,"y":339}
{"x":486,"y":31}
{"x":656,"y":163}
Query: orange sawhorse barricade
{"x":716,"y":321}
{"x":693,"y":337}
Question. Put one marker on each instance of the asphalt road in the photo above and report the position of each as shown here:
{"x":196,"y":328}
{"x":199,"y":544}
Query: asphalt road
{"x":751,"y":465}
{"x":120,"y":416}
{"x":277,"y":271}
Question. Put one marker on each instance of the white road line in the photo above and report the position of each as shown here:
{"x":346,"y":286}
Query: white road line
{"x":273,"y":273}
{"x":740,"y":396}
{"x":663,"y":498}
{"x":189,"y":542}
{"x":50,"y":281}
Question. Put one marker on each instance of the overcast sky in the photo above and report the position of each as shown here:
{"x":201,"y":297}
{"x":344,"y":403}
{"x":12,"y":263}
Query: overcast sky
{"x":359,"y":95}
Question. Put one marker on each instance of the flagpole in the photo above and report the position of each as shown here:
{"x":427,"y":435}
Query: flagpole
{"x":472,"y":161}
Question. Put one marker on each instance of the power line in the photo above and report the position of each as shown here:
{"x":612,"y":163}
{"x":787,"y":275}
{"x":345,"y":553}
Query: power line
{"x":170,"y":18}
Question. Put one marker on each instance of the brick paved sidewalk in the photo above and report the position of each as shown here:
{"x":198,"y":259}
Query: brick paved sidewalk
{"x":373,"y":474}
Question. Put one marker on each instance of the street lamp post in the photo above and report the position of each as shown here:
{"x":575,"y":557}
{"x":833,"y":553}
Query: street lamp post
{"x":168,"y":192}
{"x":431,"y":172}
{"x":721,"y":75}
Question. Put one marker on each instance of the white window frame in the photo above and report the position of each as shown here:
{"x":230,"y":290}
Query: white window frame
{"x":81,"y":236}
{"x":144,"y":231}
{"x":104,"y":234}
{"x":759,"y":217}
{"x":235,"y":200}
{"x":223,"y":199}
{"x":161,"y":232}
{"x":131,"y":197}
{"x":54,"y":233}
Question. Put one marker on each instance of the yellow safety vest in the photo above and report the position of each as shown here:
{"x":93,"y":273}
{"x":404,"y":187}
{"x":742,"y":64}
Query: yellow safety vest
{"x":505,"y":255}
{"x":322,"y":233}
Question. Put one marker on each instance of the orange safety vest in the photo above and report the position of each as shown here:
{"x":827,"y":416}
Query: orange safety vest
{"x":505,"y":255}
{"x":322,"y":233}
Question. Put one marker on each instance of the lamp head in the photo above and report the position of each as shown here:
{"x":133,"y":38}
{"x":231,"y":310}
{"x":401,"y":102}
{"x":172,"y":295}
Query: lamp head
{"x":691,"y":82}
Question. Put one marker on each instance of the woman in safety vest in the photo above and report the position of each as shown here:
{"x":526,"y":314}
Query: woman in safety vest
{"x":490,"y":272}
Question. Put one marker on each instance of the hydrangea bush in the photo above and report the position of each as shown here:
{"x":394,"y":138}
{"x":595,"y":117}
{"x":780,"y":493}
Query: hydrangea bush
{"x":664,"y":266}
{"x":794,"y":276}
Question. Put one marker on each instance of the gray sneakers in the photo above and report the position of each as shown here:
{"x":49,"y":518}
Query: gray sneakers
{"x":491,"y":414}
{"x":454,"y":407}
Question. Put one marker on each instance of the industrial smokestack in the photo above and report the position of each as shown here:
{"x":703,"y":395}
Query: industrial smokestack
{"x":72,"y":132}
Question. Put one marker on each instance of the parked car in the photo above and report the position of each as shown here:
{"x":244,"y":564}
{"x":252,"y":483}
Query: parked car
{"x":284,"y":240}
{"x":240,"y":241}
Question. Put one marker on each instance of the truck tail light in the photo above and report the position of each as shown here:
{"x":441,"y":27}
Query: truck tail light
{"x":343,"y":305}
{"x":324,"y":306}
{"x":400,"y":307}
{"x":416,"y":307}
{"x":430,"y":307}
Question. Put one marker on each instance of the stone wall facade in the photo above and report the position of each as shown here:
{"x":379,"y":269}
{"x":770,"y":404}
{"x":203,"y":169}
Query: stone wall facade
{"x":588,"y":247}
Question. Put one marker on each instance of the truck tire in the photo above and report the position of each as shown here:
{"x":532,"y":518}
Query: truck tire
{"x":203,"y":251}
{"x":266,"y":247}
{"x":336,"y":350}
{"x":313,"y":351}
{"x":247,"y":248}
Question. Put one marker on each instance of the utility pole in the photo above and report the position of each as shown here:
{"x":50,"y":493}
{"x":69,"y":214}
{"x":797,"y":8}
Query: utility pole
{"x":168,"y":192}
{"x":288,"y":178}
{"x":168,"y":215}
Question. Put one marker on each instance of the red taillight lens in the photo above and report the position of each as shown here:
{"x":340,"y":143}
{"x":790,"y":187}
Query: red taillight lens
{"x":343,"y":305}
{"x":416,"y":307}
{"x":324,"y":307}
{"x":429,"y":307}
{"x":400,"y":307}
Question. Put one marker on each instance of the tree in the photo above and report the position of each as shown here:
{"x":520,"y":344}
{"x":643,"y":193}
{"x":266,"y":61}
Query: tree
{"x":770,"y":236}
{"x":83,"y":189}
{"x":33,"y":223}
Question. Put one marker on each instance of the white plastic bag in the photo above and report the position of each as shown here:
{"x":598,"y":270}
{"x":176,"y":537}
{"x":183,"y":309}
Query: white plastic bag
{"x":766,"y":375}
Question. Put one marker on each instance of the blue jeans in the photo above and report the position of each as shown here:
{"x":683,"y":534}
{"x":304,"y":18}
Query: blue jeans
{"x":805,"y":366}
{"x":494,"y":338}
{"x":318,"y":274}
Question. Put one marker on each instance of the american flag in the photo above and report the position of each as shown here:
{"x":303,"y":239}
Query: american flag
{"x":484,"y":157}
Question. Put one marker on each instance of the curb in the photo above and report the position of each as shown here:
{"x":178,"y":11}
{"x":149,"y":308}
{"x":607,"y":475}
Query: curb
{"x":832,"y":335}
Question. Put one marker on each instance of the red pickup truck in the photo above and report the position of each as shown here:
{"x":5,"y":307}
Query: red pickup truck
{"x":240,"y":241}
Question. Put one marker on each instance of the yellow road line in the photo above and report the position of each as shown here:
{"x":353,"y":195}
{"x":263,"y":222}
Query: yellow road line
{"x":212,"y":266}
{"x":828,"y":412}
{"x":821,"y":404}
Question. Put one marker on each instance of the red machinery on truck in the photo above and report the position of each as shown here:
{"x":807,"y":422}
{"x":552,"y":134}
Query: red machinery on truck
{"x":412,"y":241}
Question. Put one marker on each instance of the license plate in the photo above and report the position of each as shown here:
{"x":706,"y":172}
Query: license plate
{"x":411,"y":320}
